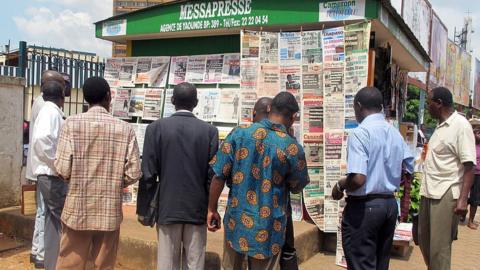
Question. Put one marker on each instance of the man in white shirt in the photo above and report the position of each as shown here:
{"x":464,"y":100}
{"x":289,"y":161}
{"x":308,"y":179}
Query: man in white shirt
{"x":45,"y":136}
{"x":38,"y":250}
{"x":448,"y":177}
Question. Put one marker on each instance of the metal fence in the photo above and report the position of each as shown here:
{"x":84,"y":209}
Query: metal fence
{"x":34,"y":60}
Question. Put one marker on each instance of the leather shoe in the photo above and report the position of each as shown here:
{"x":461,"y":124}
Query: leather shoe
{"x":39,"y":264}
{"x":33,"y":258}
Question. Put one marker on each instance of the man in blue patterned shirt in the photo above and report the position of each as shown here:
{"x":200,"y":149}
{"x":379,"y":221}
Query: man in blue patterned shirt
{"x":263,"y":163}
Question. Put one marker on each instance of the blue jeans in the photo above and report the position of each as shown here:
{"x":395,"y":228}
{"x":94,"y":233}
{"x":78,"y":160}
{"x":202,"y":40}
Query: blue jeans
{"x":38,"y":242}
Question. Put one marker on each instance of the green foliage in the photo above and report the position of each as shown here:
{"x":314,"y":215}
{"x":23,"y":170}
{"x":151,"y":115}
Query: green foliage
{"x":412,"y":108}
{"x":414,"y":195}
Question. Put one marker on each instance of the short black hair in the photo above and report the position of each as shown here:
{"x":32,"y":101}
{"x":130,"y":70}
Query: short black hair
{"x":285,"y":104}
{"x":444,"y":95}
{"x":95,"y":90}
{"x":370,"y":98}
{"x":185,"y":95}
{"x":52,"y":91}
{"x":261,"y":106}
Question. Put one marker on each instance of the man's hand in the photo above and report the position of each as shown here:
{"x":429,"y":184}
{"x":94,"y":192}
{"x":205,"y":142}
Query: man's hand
{"x":337,"y":194}
{"x":213,"y":221}
{"x":461,"y":208}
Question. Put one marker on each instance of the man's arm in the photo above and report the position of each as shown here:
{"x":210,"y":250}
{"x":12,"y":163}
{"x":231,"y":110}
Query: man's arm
{"x":211,"y":154}
{"x":468,"y":176}
{"x":216,"y":189}
{"x":132,"y":168}
{"x":468,"y":156}
{"x":149,"y":157}
{"x":357,"y":162}
{"x":298,"y":177}
{"x":44,"y":139}
{"x":64,"y":155}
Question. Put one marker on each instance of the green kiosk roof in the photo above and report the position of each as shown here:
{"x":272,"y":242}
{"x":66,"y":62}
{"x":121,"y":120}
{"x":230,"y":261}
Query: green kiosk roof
{"x":187,"y":19}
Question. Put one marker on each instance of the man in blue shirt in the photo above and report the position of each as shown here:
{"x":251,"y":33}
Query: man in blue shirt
{"x":261,"y":162}
{"x":376,"y":155}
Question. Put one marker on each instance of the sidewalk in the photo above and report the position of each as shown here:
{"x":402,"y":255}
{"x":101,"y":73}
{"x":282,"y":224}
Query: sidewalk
{"x":465,"y":255}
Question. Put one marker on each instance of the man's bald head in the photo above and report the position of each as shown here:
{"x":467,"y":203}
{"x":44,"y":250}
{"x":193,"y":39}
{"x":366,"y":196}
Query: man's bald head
{"x":52,"y":75}
{"x":261,"y":109}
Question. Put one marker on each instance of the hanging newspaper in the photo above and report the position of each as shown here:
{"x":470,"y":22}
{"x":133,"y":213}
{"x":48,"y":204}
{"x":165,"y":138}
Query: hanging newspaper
{"x":269,"y":48}
{"x":153,"y":104}
{"x":137,"y":102}
{"x":312,"y":47}
{"x":247,"y":102}
{"x":144,"y":65}
{"x":140,"y":130}
{"x":208,"y":104}
{"x":120,"y":106}
{"x":312,"y":80}
{"x":357,"y":38}
{"x":250,"y":44}
{"x":333,"y":81}
{"x":231,"y":69}
{"x":158,"y":73}
{"x":334,"y":113}
{"x":168,"y":107}
{"x":113,"y":93}
{"x":314,"y":153}
{"x":331,"y":214}
{"x":297,"y":206}
{"x":195,"y":69}
{"x":268,"y":84}
{"x":333,"y":145}
{"x":333,"y":46}
{"x":127,"y":72}
{"x":213,"y":69}
{"x":314,"y":196}
{"x":229,"y":106}
{"x":313,"y":115}
{"x":350,"y":120}
{"x":248,"y":75}
{"x":340,"y":259}
{"x":178,"y":70}
{"x":316,"y":187}
{"x":112,"y":71}
{"x":291,"y":79}
{"x":315,"y":208}
{"x":290,"y":48}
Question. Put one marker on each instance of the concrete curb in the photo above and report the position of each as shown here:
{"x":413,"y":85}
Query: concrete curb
{"x":142,"y":254}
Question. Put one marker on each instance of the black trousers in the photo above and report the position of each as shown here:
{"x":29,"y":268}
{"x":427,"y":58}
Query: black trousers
{"x":54,"y":191}
{"x":367,"y":232}
{"x":288,"y":260}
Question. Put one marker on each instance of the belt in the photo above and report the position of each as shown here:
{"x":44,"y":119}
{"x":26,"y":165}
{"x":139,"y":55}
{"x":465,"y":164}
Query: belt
{"x":370,"y":197}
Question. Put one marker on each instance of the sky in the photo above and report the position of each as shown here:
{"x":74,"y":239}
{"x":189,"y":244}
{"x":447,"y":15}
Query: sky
{"x":68,"y":24}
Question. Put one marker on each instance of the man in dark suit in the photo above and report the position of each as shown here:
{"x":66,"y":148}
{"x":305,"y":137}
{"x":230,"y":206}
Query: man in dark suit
{"x":177,"y":150}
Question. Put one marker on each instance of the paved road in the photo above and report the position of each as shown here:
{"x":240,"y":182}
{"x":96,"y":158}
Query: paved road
{"x":465,"y":257}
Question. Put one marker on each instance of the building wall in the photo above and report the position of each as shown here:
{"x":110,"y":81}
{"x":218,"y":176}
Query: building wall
{"x":124,"y":6}
{"x":11,"y":139}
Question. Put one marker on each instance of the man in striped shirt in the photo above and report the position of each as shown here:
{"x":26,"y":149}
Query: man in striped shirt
{"x":98,"y":156}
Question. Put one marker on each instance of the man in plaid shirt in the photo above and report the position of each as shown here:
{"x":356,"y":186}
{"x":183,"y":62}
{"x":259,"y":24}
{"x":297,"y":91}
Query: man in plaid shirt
{"x":97,"y":156}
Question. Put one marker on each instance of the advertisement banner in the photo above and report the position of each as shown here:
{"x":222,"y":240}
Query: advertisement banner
{"x":438,"y":53}
{"x":476,"y":85}
{"x":342,"y":10}
{"x":417,"y":15}
{"x":450,"y":71}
